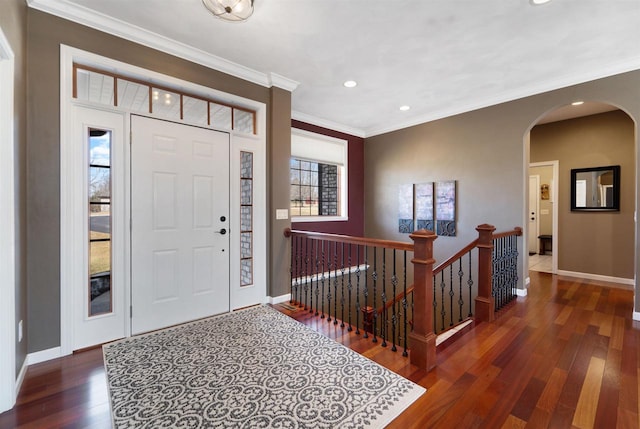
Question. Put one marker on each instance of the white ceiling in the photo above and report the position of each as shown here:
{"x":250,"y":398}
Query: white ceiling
{"x":441,"y":57}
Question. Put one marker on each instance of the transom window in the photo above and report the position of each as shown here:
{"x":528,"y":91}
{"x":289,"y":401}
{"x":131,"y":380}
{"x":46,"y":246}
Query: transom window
{"x":103,"y":87}
{"x":318,"y":179}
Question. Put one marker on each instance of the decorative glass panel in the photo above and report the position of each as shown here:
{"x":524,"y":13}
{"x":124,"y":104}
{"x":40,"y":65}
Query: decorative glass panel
{"x":94,"y":87}
{"x":246,"y":192}
{"x":246,"y":218}
{"x":220,"y":116}
{"x":194,"y":110}
{"x":165,"y":104}
{"x":133,"y":96}
{"x":243,"y":121}
{"x":99,"y":200}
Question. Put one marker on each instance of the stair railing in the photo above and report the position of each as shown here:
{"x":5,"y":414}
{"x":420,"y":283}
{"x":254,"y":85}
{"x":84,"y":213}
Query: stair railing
{"x":369,"y":280}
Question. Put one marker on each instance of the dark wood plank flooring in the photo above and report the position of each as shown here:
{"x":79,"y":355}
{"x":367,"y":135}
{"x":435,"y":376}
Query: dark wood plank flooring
{"x":566,"y":356}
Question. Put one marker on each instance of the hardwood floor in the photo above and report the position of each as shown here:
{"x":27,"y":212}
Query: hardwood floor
{"x":566,"y":356}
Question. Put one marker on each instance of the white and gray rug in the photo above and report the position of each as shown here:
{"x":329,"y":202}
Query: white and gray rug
{"x":255,"y":368}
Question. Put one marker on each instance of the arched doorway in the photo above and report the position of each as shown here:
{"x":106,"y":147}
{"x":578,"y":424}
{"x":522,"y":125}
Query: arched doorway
{"x":598,"y":245}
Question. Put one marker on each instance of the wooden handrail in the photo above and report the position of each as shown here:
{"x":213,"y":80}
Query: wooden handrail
{"x":395,"y":300}
{"x":515,"y":231}
{"x":389,"y":244}
{"x":455,"y":257}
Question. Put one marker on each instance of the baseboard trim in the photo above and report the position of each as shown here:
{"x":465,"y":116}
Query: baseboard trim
{"x":44,"y":355}
{"x":279,"y":299}
{"x":521,"y":292}
{"x":636,"y":315}
{"x":21,"y":375}
{"x":588,"y":276}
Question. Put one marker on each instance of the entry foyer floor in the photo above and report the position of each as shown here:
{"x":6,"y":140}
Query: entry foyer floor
{"x":566,"y":356}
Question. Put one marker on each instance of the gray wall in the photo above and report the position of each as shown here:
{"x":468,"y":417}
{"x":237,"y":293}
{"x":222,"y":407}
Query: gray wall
{"x":486,"y":151}
{"x":592,"y":242}
{"x":46,"y":33}
{"x":278,"y":165}
{"x":13,"y":21}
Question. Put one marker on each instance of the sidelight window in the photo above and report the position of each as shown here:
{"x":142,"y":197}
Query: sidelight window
{"x":99,"y":198}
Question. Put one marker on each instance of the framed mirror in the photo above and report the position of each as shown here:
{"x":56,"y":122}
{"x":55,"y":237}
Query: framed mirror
{"x":595,"y":189}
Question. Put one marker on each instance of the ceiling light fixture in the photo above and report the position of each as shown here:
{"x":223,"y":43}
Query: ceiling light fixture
{"x":577,"y":103}
{"x":350,"y":83}
{"x":230,"y":10}
{"x":539,"y":2}
{"x":405,"y":108}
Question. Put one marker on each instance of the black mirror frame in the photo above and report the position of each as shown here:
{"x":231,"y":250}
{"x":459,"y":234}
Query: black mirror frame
{"x":616,"y":189}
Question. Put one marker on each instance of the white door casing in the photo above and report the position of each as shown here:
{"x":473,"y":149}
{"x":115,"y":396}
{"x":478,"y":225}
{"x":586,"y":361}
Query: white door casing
{"x":553,"y":199}
{"x":180,"y":223}
{"x":89,"y":331}
{"x":534,"y":211}
{"x":7,"y":230}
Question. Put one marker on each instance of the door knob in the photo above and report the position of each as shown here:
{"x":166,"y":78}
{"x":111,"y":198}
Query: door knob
{"x":222,"y":231}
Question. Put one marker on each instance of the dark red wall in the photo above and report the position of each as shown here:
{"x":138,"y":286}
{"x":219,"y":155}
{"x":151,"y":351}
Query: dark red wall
{"x":355,"y":170}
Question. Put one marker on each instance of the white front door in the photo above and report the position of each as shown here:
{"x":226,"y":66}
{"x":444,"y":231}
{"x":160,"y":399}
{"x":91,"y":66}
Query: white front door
{"x":180,"y":223}
{"x":534,"y":198}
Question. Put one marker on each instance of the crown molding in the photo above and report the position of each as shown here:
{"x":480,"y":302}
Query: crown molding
{"x":283,"y":82}
{"x":81,"y":15}
{"x":325,"y":123}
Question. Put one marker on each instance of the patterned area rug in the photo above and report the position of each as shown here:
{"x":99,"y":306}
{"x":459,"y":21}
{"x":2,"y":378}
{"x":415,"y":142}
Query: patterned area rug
{"x":255,"y":368}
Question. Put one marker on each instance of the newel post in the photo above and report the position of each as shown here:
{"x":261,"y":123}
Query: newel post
{"x":485,"y":302}
{"x":422,"y":338}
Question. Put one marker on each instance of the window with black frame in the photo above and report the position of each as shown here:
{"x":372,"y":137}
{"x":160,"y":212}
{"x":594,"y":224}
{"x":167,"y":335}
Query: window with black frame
{"x":315,"y":188}
{"x":317,"y":172}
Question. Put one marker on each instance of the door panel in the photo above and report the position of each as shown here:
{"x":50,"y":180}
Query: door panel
{"x":180,"y":203}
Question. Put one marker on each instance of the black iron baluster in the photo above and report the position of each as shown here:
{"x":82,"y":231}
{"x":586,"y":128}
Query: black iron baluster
{"x":315,"y":275}
{"x":374,"y":277}
{"x":451,"y":295}
{"x":329,"y":265}
{"x":296,"y":296}
{"x":349,"y":287}
{"x":306,"y":269}
{"x":291,"y":267}
{"x":342,"y":289}
{"x":435,"y":304}
{"x":404,"y":303}
{"x":358,"y":290}
{"x":394,"y":320}
{"x":493,"y":277}
{"x":383,"y":324}
{"x":335,"y":284}
{"x":366,"y":289}
{"x":322,"y":279}
{"x":460,"y":300}
{"x":443,"y":311}
{"x":470,"y":283}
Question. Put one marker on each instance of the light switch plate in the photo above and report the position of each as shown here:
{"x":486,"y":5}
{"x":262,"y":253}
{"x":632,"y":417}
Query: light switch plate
{"x":282,"y":214}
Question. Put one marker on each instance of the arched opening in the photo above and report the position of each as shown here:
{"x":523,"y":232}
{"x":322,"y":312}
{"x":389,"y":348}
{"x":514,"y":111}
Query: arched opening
{"x":591,"y":244}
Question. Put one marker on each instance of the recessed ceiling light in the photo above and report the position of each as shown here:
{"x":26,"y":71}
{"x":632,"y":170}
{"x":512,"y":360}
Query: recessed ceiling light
{"x":538,"y":2}
{"x":577,"y":103}
{"x":405,"y":108}
{"x":350,"y":83}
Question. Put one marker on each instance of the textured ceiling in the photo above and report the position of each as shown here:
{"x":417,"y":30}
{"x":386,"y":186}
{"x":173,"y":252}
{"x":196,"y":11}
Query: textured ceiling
{"x":441,"y":57}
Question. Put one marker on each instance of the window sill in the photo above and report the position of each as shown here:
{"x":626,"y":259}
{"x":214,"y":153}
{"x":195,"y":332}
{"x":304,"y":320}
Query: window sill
{"x":302,"y":219}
